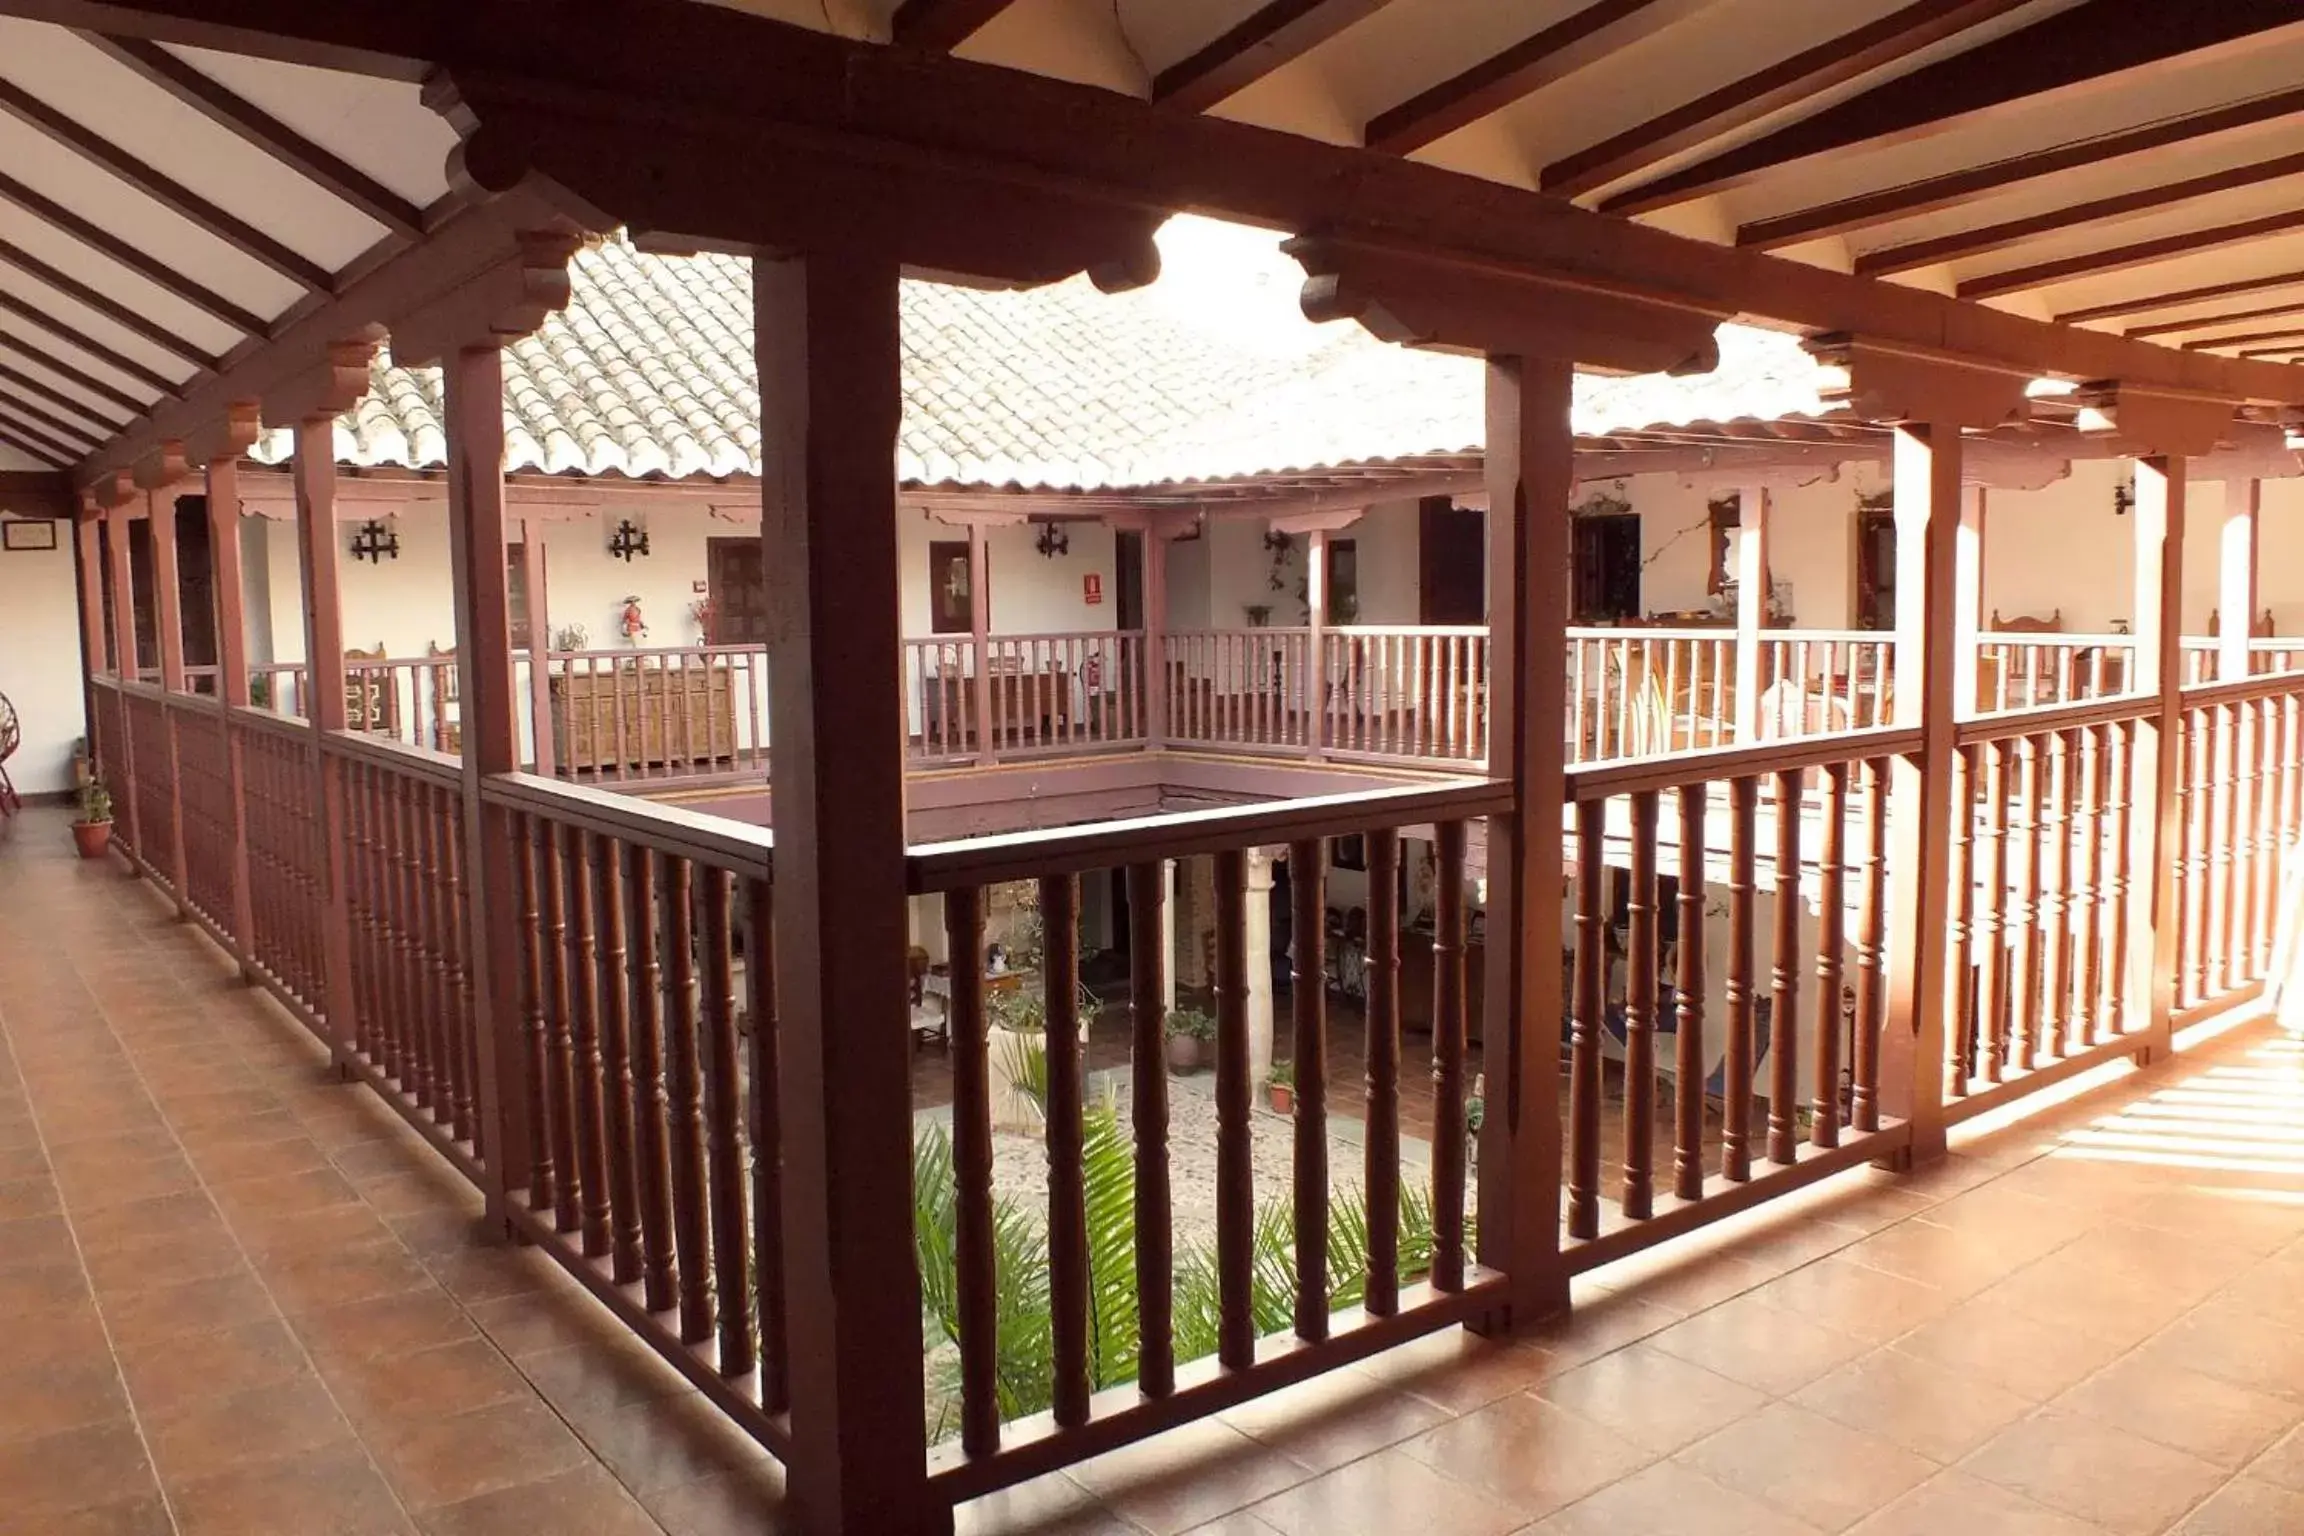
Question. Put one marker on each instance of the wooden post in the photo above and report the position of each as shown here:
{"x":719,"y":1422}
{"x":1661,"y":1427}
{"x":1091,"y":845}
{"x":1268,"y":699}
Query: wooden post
{"x":319,"y":549}
{"x":1529,"y":468}
{"x":1752,"y":580}
{"x":2159,"y":525}
{"x":1920,"y":894}
{"x":95,"y":643}
{"x":1155,"y":636}
{"x":223,"y":494}
{"x":1316,"y":657}
{"x":830,"y":366}
{"x":168,"y":638}
{"x":980,"y":635}
{"x":120,"y":774}
{"x":2236,"y":578}
{"x":535,"y":572}
{"x":476,"y":522}
{"x":1967,"y":602}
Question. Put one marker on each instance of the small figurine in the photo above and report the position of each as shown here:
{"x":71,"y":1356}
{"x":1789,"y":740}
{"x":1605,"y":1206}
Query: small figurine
{"x":633,"y":627}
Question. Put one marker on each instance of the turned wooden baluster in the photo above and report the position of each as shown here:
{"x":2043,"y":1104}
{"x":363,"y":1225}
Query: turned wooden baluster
{"x":1639,"y":1197}
{"x":651,"y":1082}
{"x":359,"y":813}
{"x":1871,"y":949}
{"x":2089,"y":895}
{"x":724,"y":1120}
{"x":2221,"y":950}
{"x":582,"y":967}
{"x":543,"y":1140}
{"x":1831,"y":925}
{"x":457,"y":979}
{"x":614,"y":1000}
{"x":976,"y":1261}
{"x":2027,"y":915}
{"x":1784,"y":979}
{"x":1736,"y":1068}
{"x":402,"y":1020}
{"x":1448,"y":1031}
{"x":2120,"y":757}
{"x":1235,"y":1154}
{"x":2257,"y":811}
{"x":424,"y":863}
{"x":683,"y":1070}
{"x":1148,"y":1106}
{"x":1961,"y":960}
{"x":1586,"y":1021}
{"x":2196,"y":798}
{"x":1308,"y":1008}
{"x":767,"y":1126}
{"x":1994,"y":931}
{"x":2055,"y":916}
{"x":385,"y":1029}
{"x":1068,"y":1272}
{"x":552,"y":881}
{"x":1383,"y":1127}
{"x":1688,"y":1001}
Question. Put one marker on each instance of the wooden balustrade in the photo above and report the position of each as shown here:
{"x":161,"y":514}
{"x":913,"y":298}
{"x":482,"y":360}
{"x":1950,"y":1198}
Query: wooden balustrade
{"x":1261,"y":1321}
{"x":285,"y":864}
{"x":2240,"y":799}
{"x":2037,"y":671}
{"x":686,"y":712}
{"x":1815,"y":681}
{"x":1769,"y":1089}
{"x":204,"y":769}
{"x":1246,"y":689}
{"x":144,"y":719}
{"x":1418,"y":693}
{"x":280,"y":687}
{"x":1066,"y":692}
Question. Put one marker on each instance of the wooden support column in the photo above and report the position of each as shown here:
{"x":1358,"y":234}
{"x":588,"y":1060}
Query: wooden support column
{"x":1156,"y":646}
{"x":1752,"y":578}
{"x":535,"y":574}
{"x":2158,"y":517}
{"x":88,"y":548}
{"x":319,"y":550}
{"x":168,"y":639}
{"x":476,"y":524}
{"x":1316,"y":653}
{"x":2236,"y":578}
{"x":830,"y":365}
{"x":1967,"y":601}
{"x":1530,"y":466}
{"x":120,"y":773}
{"x":223,"y":494}
{"x":1920,"y":896}
{"x":980,"y":636}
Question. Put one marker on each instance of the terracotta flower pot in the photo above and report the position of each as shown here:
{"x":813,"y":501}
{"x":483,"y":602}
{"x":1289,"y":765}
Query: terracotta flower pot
{"x":1183,"y":1054}
{"x":1283,"y":1098}
{"x":93,"y":837}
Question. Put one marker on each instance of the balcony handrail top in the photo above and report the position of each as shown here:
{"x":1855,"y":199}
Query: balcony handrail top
{"x":1794,"y":634}
{"x":395,"y":756}
{"x":2055,"y":640}
{"x":1723,"y":634}
{"x":2042,"y":720}
{"x":983,"y":861}
{"x":1701,"y":765}
{"x":2238,"y":690}
{"x":636,"y":652}
{"x":1412,"y":631}
{"x":739,"y":847}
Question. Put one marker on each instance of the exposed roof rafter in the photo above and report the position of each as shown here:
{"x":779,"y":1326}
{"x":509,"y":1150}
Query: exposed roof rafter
{"x":2171,"y":300}
{"x":1992,"y":238}
{"x":2204,"y":322}
{"x":2120,"y":258}
{"x":1785,"y":83}
{"x":40,"y":389}
{"x":258,"y":127}
{"x":81,"y":380}
{"x":1270,"y":36}
{"x":30,"y":449}
{"x":2284,"y":333}
{"x":1560,"y":50}
{"x":111,"y":309}
{"x":117,"y":361}
{"x":2084,"y":49}
{"x":32,"y":422}
{"x":943,"y":24}
{"x":118,"y":251}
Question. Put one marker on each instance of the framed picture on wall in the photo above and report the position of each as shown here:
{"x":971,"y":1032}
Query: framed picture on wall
{"x":27,"y":533}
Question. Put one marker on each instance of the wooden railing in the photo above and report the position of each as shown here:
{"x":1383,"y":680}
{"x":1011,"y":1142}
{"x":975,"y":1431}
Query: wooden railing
{"x":1638,"y":692}
{"x":1815,"y":681}
{"x":678,"y":712}
{"x":287,"y":872}
{"x":1406,"y":693}
{"x":2240,"y":818}
{"x":1241,"y":689}
{"x":2036,"y":671}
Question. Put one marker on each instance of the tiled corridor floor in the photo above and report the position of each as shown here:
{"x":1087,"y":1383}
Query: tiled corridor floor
{"x":239,"y":1299}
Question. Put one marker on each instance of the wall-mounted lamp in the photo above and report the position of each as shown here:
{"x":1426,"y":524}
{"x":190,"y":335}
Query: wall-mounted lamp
{"x":628,"y":540}
{"x":373,"y":541}
{"x":1053,"y":541}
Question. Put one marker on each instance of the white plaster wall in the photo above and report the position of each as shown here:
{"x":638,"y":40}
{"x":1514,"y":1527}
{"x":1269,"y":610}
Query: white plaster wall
{"x":39,"y":661}
{"x":1386,"y":542}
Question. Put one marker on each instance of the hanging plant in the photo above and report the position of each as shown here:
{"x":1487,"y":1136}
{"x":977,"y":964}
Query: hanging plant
{"x":1611,"y":502}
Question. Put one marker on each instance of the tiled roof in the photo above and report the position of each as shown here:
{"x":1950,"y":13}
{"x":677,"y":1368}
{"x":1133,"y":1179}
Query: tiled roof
{"x":1210,"y":373}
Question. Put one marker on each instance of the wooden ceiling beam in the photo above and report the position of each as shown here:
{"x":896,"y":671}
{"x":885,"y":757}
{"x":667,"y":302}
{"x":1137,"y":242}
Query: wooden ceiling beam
{"x":1937,"y":193}
{"x":103,"y":304}
{"x":2150,"y":302}
{"x":165,"y":190}
{"x":63,"y":370}
{"x":112,"y":248}
{"x":2246,"y":338}
{"x":942,"y":24}
{"x":1272,"y":35}
{"x":2072,"y":52}
{"x":30,"y":421}
{"x":227,"y":110}
{"x":31,"y":450}
{"x":2121,"y":258}
{"x":1993,"y":238}
{"x":1786,"y":83}
{"x":40,"y":389}
{"x":1573,"y":43}
{"x":2204,"y":322}
{"x":116,"y":361}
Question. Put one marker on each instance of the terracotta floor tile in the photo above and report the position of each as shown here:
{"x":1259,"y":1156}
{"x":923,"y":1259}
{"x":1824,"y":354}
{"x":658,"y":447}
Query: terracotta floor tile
{"x":1047,"y":1505}
{"x":2223,"y":1341}
{"x":335,"y":1491}
{"x":492,"y":1274}
{"x":1382,"y":1495}
{"x":1528,"y":1455}
{"x":448,"y":1459}
{"x":1924,"y":1407}
{"x":2008,"y":1349}
{"x":583,"y":1502}
{"x":1458,"y":1370}
{"x":268,"y":1423}
{"x":74,"y":1469}
{"x":585,"y":1382}
{"x":242,"y":1160}
{"x":1954,"y":1261}
{"x":2214,"y":1420}
{"x":2239,"y":1217}
{"x":178,"y":1373}
{"x":1669,"y":1500}
{"x":136,"y":1223}
{"x":142,"y":1514}
{"x":1855,"y":1299}
{"x":35,"y":1196}
{"x":553,"y":1319}
{"x":652,"y":1446}
{"x":333,"y":1278}
{"x":421,"y":1318}
{"x":37,"y":1241}
{"x":1188,"y":1477}
{"x":1826,"y":1473}
{"x":2244,"y":1507}
{"x":1955,"y":1504}
{"x":58,"y":1395}
{"x":1651,"y":1397}
{"x":1334,"y":1418}
{"x":141,"y":1318}
{"x":1759,"y":1345}
{"x":42,"y":1288}
{"x":397,"y":1389}
{"x":753,"y":1503}
{"x":2120,"y":1481}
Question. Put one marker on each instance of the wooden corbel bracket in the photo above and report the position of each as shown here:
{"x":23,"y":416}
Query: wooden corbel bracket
{"x":1891,"y":382}
{"x":2159,"y":420}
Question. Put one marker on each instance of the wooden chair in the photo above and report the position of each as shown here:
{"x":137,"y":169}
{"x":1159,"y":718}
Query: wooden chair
{"x":2260,"y":629}
{"x":1989,"y":668}
{"x":371,"y":703}
{"x":2029,"y":623}
{"x":446,"y":686}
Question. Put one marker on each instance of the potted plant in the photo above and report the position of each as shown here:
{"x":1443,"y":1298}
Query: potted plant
{"x":92,"y":828}
{"x":1189,"y":1031}
{"x":1280,"y":1083}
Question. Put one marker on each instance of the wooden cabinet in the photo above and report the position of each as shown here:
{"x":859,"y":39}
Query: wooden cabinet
{"x":644,"y":717}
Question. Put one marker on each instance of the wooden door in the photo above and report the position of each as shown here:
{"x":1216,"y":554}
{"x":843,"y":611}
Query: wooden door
{"x":736,"y":581}
{"x":1875,"y":568}
{"x":1128,"y":578}
{"x":196,"y":581}
{"x":1451,"y":564}
{"x":1606,"y":568}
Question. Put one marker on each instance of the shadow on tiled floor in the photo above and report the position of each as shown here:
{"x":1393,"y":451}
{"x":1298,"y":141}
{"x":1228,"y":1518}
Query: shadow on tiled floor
{"x":241,"y":1299}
